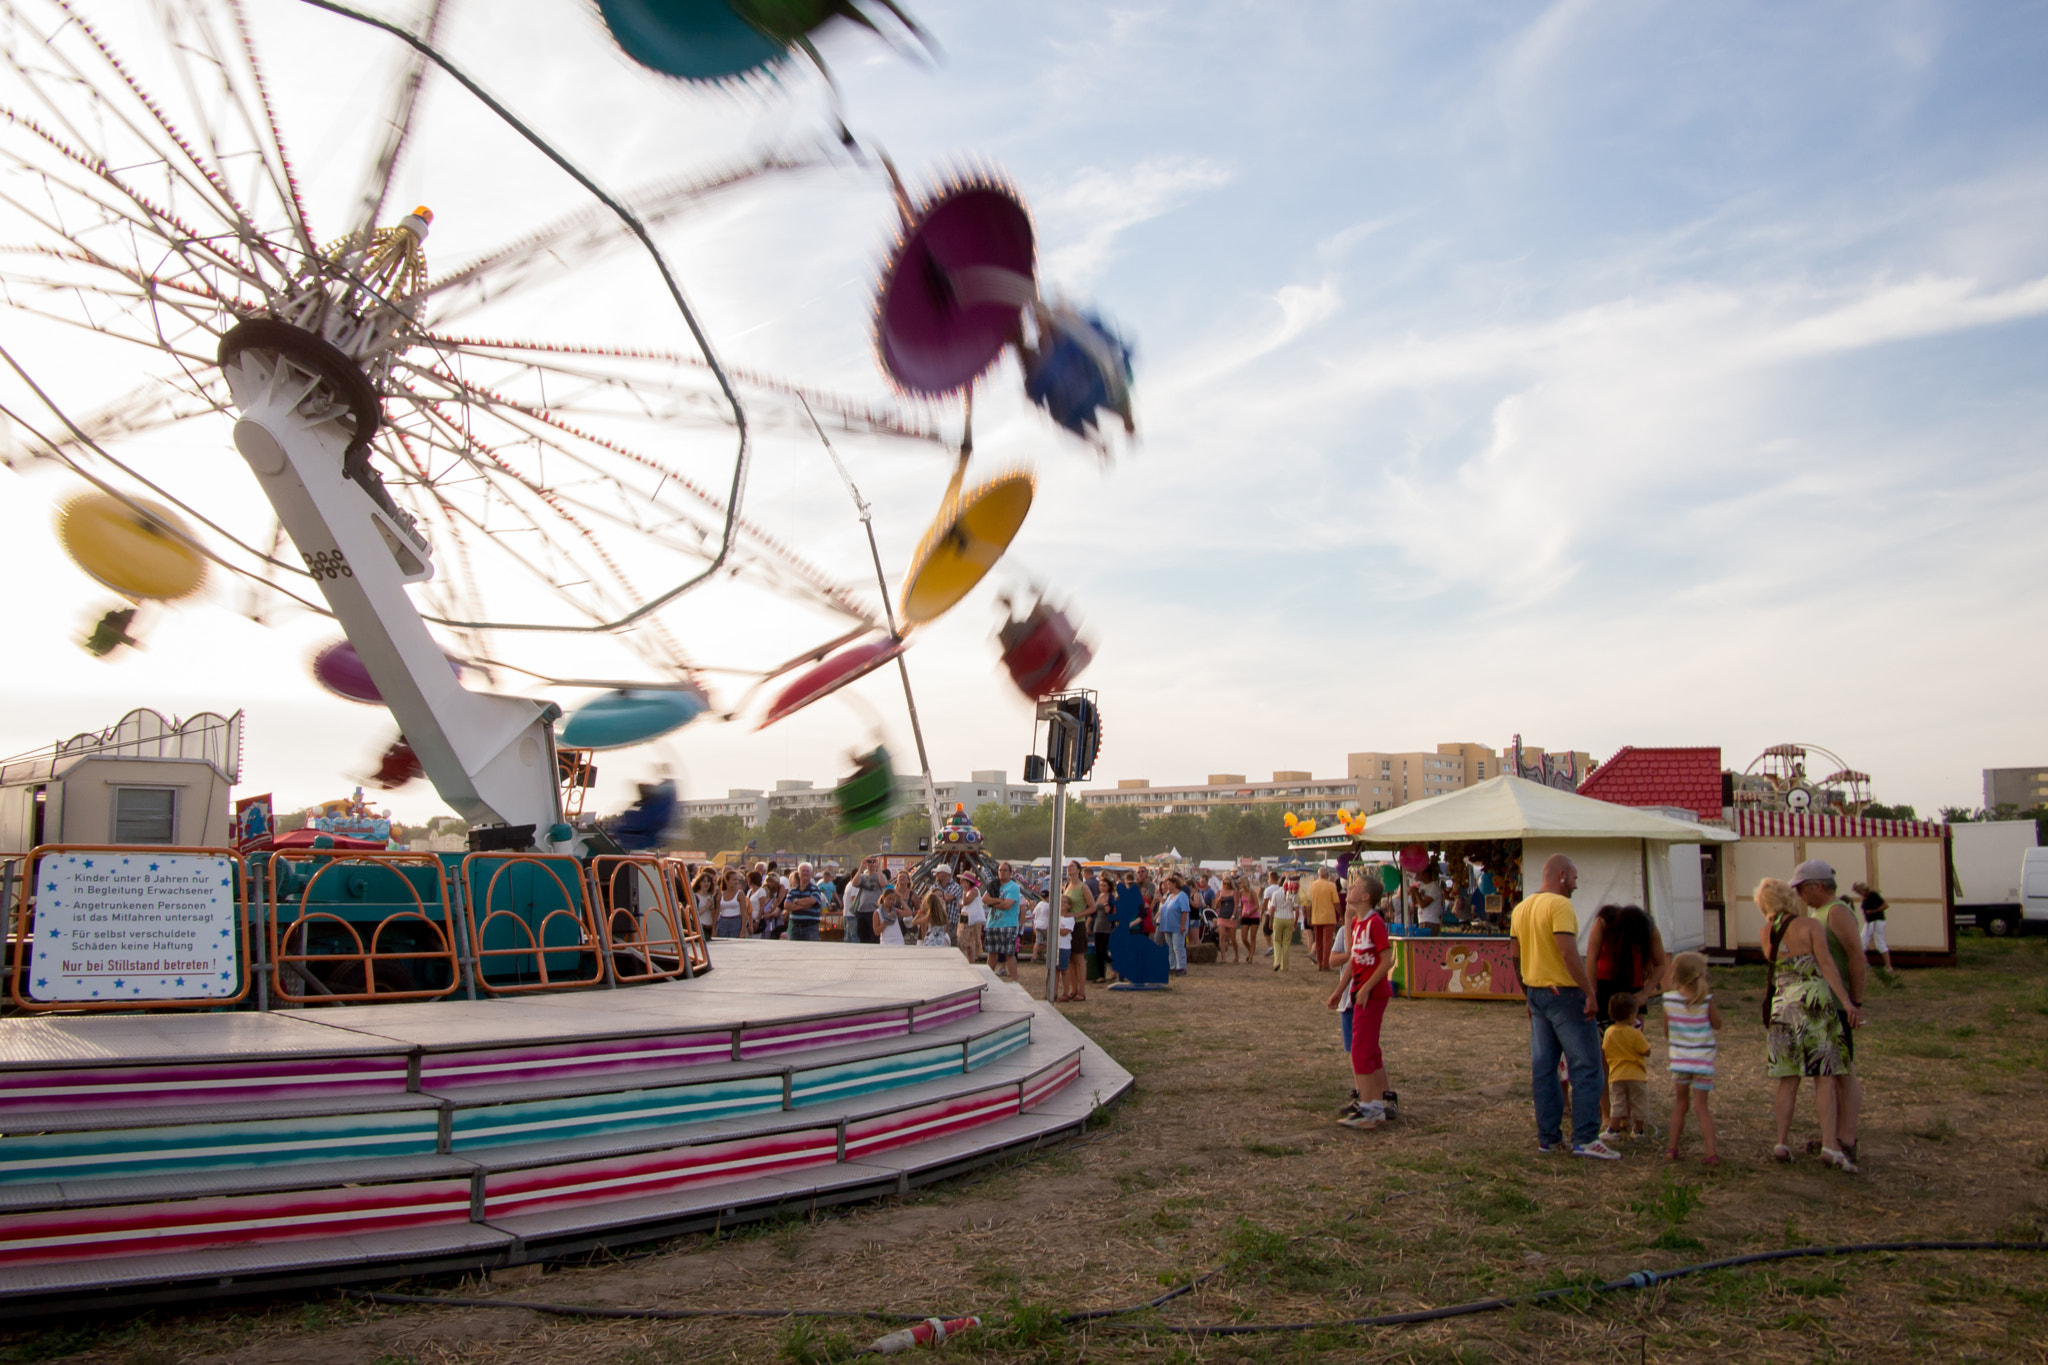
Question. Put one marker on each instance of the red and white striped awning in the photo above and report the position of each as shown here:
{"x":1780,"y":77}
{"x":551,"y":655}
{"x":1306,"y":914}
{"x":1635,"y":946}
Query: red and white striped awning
{"x":1779,"y":824}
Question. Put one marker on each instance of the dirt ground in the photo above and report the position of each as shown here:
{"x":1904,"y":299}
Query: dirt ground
{"x":1227,"y":1158}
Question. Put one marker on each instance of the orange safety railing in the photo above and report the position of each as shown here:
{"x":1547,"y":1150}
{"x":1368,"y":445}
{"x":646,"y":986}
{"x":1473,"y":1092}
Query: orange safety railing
{"x":318,"y":956}
{"x":516,"y":937}
{"x":647,"y":929}
{"x":96,"y":905}
{"x":683,"y":876}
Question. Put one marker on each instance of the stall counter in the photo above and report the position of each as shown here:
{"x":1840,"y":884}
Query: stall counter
{"x":1456,"y":967}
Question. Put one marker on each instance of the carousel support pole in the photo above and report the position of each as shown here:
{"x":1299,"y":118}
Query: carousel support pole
{"x":1056,"y":887}
{"x":867,"y":521}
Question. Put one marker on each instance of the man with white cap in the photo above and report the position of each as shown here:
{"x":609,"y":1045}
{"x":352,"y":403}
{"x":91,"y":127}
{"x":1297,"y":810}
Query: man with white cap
{"x":1813,"y":881}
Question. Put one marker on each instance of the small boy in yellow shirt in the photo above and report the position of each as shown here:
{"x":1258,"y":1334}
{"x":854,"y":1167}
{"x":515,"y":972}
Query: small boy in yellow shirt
{"x":1625,"y":1049}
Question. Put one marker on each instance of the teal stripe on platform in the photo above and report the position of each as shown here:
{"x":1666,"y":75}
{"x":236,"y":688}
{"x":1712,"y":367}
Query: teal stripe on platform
{"x":616,"y":1112}
{"x":821,"y":1083}
{"x":214,"y":1146}
{"x":985,"y":1049}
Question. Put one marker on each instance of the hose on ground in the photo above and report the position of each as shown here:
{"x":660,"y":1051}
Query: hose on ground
{"x":1641,"y":1279}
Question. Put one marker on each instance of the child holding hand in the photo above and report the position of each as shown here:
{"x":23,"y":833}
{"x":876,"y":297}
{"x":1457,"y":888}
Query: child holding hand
{"x":1626,"y":1051}
{"x":1691,"y":1019}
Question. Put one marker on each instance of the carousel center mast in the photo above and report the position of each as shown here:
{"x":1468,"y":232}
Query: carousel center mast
{"x":305,"y":377}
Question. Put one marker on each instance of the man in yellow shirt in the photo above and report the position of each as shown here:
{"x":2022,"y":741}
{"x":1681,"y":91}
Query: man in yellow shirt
{"x":1562,"y":1007}
{"x":1322,"y":916}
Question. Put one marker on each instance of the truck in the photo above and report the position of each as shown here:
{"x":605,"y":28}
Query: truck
{"x":2034,"y":889}
{"x":1987,"y":859}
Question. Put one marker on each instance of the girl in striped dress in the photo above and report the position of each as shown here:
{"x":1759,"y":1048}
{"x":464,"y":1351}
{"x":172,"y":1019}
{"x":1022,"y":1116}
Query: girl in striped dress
{"x":1691,"y":1019}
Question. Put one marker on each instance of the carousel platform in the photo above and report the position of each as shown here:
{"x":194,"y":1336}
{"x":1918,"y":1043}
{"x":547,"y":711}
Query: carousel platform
{"x":156,"y":1157}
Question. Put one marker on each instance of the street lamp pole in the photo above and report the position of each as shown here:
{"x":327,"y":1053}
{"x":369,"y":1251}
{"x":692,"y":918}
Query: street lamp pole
{"x":1056,"y":888}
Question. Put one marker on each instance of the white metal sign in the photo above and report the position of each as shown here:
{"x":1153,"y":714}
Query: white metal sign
{"x":112,"y":925}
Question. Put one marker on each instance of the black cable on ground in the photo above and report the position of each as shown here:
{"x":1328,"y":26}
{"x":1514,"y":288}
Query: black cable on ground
{"x":1641,"y":1279}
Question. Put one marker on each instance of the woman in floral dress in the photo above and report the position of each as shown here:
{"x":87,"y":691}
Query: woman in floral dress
{"x":1806,"y":1029}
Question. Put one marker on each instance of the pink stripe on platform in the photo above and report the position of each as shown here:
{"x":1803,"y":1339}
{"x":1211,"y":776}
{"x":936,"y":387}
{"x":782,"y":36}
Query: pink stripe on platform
{"x":634,"y":1177}
{"x":945,"y":1011}
{"x":766,"y":1039}
{"x":1039,"y":1089}
{"x":494,"y":1066}
{"x":214,"y":1082}
{"x":929,"y":1121}
{"x":192,"y":1224}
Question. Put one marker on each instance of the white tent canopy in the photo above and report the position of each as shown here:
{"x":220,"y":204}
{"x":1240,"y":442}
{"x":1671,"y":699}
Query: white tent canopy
{"x":1624,"y":856}
{"x":1516,"y":808}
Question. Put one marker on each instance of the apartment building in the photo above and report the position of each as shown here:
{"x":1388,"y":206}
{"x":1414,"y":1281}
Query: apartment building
{"x":793,"y":796}
{"x":2022,"y":787}
{"x":1304,"y":792}
{"x":1386,"y":780}
{"x":1371,"y":782}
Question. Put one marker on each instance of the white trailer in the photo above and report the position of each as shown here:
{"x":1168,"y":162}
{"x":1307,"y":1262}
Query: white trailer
{"x":1987,"y":861}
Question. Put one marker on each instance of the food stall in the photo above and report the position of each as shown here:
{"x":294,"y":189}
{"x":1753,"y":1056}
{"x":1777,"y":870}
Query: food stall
{"x":1508,"y":828}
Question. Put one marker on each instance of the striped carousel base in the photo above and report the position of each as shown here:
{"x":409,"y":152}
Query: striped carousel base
{"x":147,"y":1157}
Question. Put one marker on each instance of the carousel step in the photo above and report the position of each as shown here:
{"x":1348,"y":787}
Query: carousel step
{"x":705,"y":1094}
{"x":177,"y":1275}
{"x":77,"y":1243}
{"x":142,"y":1189}
{"x":167,"y":1217}
{"x":94,"y":1063}
{"x":861,"y":1153}
{"x":851,"y":1110}
{"x":67,"y":1147}
{"x":409,"y":1129}
{"x":87,"y":1187}
{"x":155,"y":1224}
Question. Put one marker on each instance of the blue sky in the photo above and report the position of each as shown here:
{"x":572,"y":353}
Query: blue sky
{"x":1611,"y":373}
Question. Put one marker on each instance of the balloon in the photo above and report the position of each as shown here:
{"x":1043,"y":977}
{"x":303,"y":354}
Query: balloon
{"x":1414,"y":857}
{"x":134,"y":547}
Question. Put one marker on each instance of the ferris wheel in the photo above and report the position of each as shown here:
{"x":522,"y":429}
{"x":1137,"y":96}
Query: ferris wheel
{"x":440,"y":475}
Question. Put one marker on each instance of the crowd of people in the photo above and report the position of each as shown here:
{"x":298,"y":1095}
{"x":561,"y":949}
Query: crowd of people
{"x":872,"y":904}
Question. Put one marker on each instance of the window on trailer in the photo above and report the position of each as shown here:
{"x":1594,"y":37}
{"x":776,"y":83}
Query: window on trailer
{"x":145,"y":815}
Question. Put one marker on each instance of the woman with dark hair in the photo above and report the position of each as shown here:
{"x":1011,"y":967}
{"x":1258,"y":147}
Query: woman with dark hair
{"x":1627,"y":956}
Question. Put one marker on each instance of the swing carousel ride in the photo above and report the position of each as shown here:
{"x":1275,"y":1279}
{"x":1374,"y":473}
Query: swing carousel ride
{"x":488,"y":503}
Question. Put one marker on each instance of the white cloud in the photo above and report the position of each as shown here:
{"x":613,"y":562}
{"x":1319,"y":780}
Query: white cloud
{"x":1082,"y":221}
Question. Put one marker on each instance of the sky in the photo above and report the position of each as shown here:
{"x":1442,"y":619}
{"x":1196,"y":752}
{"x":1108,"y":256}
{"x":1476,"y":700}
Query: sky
{"x":1604,"y":373}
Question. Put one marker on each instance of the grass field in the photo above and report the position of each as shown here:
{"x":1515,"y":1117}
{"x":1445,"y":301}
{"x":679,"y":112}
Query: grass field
{"x":1227,"y":1157}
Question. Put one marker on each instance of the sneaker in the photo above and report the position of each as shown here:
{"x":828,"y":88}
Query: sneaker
{"x":1612,"y":1135}
{"x":1350,"y":1106}
{"x":1546,"y":1148}
{"x":1368,"y":1116}
{"x":1390,"y":1102}
{"x":1598,"y":1151}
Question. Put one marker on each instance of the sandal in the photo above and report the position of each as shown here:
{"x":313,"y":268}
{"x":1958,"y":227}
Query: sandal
{"x":1781,"y":1153}
{"x":1671,"y":1154}
{"x":1837,"y":1160}
{"x":1710,"y":1161}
